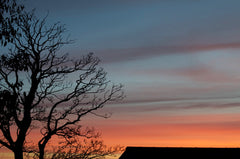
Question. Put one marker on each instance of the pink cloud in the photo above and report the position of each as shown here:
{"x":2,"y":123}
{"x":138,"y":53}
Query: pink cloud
{"x":125,"y":54}
{"x":198,"y":74}
{"x":205,"y":74}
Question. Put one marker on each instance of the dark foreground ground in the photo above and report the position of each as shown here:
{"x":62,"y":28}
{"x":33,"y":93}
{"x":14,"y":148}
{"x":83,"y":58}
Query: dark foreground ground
{"x":180,"y":153}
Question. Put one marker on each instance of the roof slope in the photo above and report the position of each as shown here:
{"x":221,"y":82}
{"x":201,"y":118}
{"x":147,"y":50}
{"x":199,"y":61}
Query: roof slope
{"x":181,"y":153}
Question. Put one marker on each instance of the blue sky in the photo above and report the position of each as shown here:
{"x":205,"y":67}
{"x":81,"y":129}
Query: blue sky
{"x":175,"y":58}
{"x":139,"y":24}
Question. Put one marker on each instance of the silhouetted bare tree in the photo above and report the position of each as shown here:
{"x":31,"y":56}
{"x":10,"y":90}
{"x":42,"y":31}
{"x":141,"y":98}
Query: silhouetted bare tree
{"x":41,"y":85}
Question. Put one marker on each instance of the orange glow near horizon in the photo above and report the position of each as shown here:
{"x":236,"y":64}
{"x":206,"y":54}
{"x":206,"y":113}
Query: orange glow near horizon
{"x":184,"y":136}
{"x":219,"y":130}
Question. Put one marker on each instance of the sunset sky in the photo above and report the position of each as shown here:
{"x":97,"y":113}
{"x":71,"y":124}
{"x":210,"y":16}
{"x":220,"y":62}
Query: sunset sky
{"x":179,"y":62}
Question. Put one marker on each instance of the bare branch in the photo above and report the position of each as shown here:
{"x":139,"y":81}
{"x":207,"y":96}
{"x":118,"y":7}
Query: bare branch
{"x":58,"y":91}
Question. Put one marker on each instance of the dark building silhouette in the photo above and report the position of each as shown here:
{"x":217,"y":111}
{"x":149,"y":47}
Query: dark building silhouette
{"x":180,"y":153}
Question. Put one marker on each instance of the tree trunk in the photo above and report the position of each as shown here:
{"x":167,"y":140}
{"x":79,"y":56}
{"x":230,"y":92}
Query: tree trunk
{"x":18,"y":153}
{"x":42,"y":144}
{"x":41,"y":152}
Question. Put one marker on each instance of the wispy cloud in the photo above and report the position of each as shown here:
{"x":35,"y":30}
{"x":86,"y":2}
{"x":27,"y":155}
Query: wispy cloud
{"x":126,"y":54}
{"x":174,"y":106}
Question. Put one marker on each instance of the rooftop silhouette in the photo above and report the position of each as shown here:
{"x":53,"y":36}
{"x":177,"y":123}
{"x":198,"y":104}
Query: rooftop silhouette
{"x":179,"y":152}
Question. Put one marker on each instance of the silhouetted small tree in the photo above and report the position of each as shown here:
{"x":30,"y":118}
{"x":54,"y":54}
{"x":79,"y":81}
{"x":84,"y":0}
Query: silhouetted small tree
{"x":40,"y":86}
{"x":87,"y":146}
